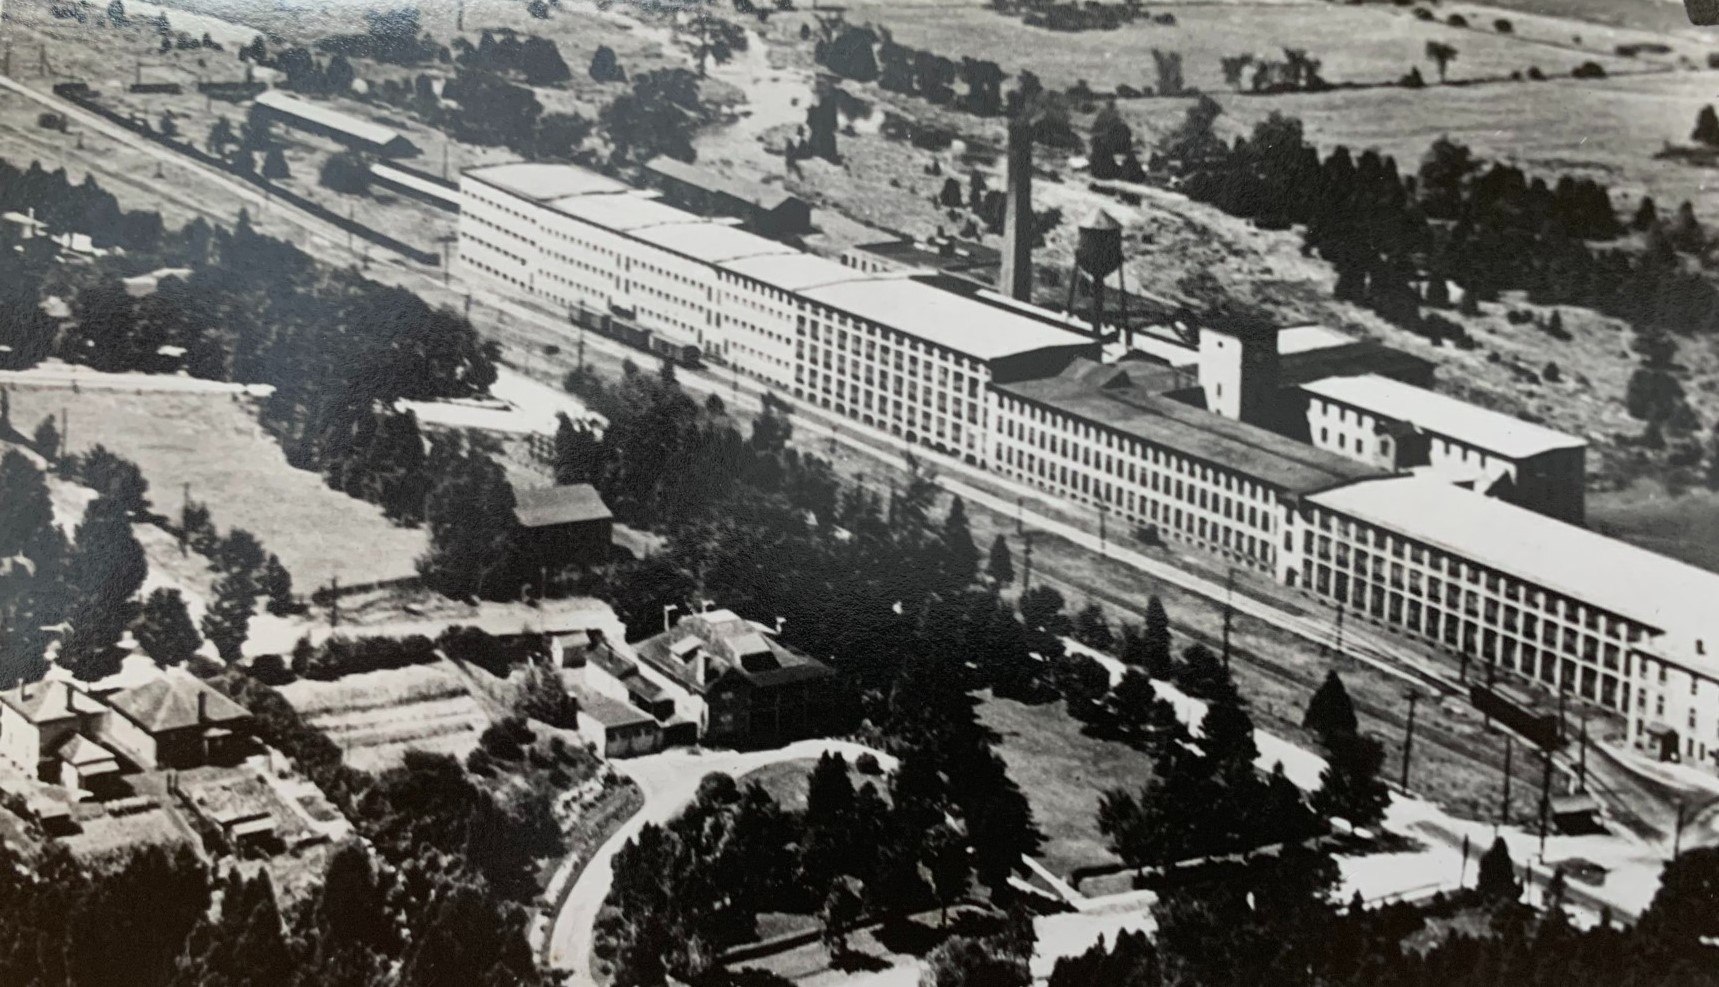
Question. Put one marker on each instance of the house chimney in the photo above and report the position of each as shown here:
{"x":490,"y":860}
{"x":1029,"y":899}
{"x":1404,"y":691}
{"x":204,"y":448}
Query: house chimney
{"x":1016,"y":279}
{"x":71,"y":694}
{"x":700,"y":666}
{"x":202,"y":706}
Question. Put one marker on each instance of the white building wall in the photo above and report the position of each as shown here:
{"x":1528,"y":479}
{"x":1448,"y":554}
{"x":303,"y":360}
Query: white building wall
{"x":20,"y":741}
{"x":498,"y":234}
{"x":1506,"y":622}
{"x":895,"y":382}
{"x":1135,"y":482}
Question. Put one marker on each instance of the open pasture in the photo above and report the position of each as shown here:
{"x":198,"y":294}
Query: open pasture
{"x":1372,"y":44}
{"x":212,"y":445}
{"x":1605,"y":129}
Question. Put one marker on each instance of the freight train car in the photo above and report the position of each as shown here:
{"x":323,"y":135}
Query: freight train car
{"x":678,"y":348}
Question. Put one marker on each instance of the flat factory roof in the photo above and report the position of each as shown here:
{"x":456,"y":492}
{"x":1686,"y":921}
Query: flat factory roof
{"x":1300,"y":339}
{"x":795,"y":271}
{"x":1247,"y":450}
{"x":1443,"y":415}
{"x":944,"y":318}
{"x":622,"y":213}
{"x":712,"y":242}
{"x":543,"y":182}
{"x":1613,"y":575}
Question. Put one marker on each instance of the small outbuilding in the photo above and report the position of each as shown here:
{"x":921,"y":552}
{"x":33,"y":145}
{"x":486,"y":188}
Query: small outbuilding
{"x":564,"y":525}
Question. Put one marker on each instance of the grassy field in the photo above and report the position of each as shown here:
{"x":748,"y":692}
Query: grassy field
{"x":1612,"y":138}
{"x":1653,"y":15}
{"x":213,"y":444}
{"x":1063,"y":772}
{"x":787,"y":781}
{"x":1684,"y":526}
{"x":376,"y":717}
{"x":1367,"y":44}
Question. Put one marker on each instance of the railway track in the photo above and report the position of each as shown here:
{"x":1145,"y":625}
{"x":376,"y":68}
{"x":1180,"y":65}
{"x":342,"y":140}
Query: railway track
{"x":1427,"y":732}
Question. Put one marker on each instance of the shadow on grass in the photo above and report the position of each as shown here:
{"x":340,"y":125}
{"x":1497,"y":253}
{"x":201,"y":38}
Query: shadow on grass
{"x":856,"y":961}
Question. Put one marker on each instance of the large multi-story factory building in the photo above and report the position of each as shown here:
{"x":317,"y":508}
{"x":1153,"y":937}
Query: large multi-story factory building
{"x":1309,"y":456}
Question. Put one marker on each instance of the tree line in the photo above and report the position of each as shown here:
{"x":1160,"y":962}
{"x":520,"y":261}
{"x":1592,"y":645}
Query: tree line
{"x":1400,"y":242}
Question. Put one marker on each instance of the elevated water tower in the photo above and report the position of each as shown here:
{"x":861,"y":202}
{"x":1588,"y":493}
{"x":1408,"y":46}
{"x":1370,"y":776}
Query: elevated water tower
{"x":1098,"y":255}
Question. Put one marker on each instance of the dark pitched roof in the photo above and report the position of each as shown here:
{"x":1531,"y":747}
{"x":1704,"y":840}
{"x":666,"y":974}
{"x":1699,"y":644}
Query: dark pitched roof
{"x":1363,"y":356}
{"x":610,"y":712}
{"x":763,"y":196}
{"x":730,"y":644}
{"x":548,"y":506}
{"x":172,"y":703}
{"x":1086,"y":392}
{"x":43,"y":702}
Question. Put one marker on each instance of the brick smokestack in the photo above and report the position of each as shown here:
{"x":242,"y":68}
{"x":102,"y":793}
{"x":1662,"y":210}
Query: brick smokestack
{"x":1017,"y":274}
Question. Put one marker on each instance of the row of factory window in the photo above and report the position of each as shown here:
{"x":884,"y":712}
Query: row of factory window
{"x":492,"y":272}
{"x":865,"y":398}
{"x":1179,"y":516}
{"x":469,"y":219}
{"x":1576,"y":662}
{"x":905,"y":354}
{"x":1051,"y":430}
{"x":917,"y":425}
{"x":1444,"y":574}
{"x":497,"y":206}
{"x":485,"y":244}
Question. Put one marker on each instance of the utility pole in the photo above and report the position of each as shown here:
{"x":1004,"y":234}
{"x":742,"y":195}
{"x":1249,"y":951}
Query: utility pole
{"x":65,"y":436}
{"x":1545,"y":795}
{"x":444,"y":161}
{"x":1504,"y":808}
{"x":1229,"y":610}
{"x":1409,"y":737}
{"x":1677,"y":839}
{"x":1582,"y":758}
{"x":447,"y":264}
{"x":460,"y":16}
{"x":184,"y":530}
{"x":334,"y":601}
{"x":1462,"y":875}
{"x":1337,"y":639}
{"x":1020,"y":515}
{"x":1027,"y":563}
{"x":1103,"y":534}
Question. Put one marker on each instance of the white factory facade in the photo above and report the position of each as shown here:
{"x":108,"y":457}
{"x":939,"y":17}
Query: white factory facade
{"x":1337,"y":475}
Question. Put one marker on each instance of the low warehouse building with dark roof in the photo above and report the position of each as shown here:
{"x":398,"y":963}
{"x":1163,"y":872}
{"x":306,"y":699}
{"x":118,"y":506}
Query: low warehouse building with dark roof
{"x":317,"y":118}
{"x":768,"y":209}
{"x":564,"y":525}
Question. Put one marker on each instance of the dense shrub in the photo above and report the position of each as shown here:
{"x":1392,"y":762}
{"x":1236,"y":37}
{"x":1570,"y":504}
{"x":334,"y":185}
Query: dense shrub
{"x":339,"y":656}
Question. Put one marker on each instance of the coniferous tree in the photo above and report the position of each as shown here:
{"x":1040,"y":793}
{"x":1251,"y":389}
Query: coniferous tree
{"x":104,"y":573}
{"x":276,"y":583}
{"x":275,"y":165}
{"x":227,"y":623}
{"x":1093,"y":630}
{"x":1001,"y":566}
{"x":1160,"y":663}
{"x":164,"y":629}
{"x":1330,"y":713}
{"x":825,"y":850}
{"x":46,"y":439}
{"x":1350,"y":787}
{"x":26,"y":509}
{"x":1646,"y":215}
{"x":1706,"y":127}
{"x":1496,"y":880}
